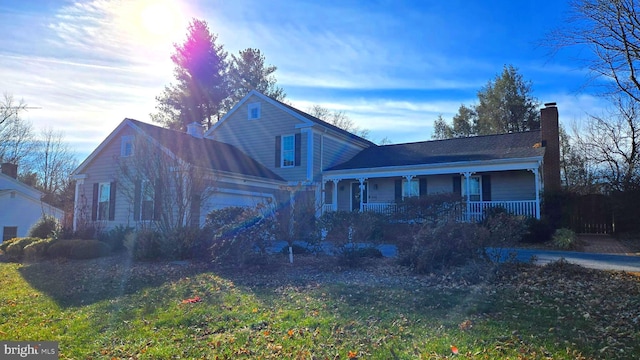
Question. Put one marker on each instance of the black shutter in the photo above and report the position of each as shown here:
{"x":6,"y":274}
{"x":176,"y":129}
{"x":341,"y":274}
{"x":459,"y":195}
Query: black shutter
{"x":398,"y":185}
{"x":137,"y":200}
{"x":157,"y":200}
{"x":298,"y":147}
{"x":457,"y":185}
{"x":94,"y":203}
{"x":486,"y":188}
{"x":278,"y":150}
{"x":112,"y":201}
{"x":423,"y":187}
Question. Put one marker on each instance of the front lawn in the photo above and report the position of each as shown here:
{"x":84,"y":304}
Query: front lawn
{"x":114,"y":308}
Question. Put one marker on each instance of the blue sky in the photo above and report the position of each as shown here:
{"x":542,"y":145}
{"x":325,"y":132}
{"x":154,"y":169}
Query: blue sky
{"x":392,"y":66}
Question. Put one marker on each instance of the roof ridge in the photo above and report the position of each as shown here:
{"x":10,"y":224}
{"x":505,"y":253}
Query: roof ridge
{"x":321,"y":122}
{"x":460,"y":138}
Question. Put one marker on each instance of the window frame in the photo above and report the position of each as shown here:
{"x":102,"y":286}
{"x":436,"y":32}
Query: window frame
{"x":254,"y":107}
{"x":147,"y":197}
{"x":291,"y":152}
{"x":472,"y":196}
{"x":408,"y":188}
{"x":124,"y":150}
{"x":103,"y":205}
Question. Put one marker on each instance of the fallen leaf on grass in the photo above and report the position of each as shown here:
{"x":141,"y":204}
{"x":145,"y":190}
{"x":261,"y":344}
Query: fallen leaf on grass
{"x":192,"y":300}
{"x":352,"y":354}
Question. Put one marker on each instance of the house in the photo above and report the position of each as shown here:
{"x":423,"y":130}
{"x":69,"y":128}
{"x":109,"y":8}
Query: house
{"x":20,"y":205}
{"x":265,"y":151}
{"x":506,"y":170}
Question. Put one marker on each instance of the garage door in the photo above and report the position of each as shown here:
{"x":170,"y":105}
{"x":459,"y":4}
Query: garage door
{"x":221,"y":200}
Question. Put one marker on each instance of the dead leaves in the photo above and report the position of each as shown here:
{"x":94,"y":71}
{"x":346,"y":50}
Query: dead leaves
{"x":192,"y":300}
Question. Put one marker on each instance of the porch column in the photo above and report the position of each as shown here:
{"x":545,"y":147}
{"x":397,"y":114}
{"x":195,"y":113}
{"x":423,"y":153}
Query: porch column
{"x":467,"y":177}
{"x":536,"y":175}
{"x":361,"y":186}
{"x":76,"y":204}
{"x":334,"y":195}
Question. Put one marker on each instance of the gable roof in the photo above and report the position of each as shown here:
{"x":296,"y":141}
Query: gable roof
{"x":299,"y":114}
{"x":477,"y":148}
{"x":202,"y":152}
{"x":9,"y":183}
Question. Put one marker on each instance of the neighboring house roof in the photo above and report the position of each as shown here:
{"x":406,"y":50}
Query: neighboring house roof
{"x":301,"y":115}
{"x":206,"y":153}
{"x":9,"y":185}
{"x":477,"y":148}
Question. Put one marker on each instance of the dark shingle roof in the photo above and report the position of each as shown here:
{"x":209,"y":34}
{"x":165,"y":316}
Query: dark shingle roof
{"x":207,"y":153}
{"x":489,"y":147}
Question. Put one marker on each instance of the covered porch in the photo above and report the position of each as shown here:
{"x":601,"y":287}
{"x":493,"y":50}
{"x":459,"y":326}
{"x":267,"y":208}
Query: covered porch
{"x":513,"y":185}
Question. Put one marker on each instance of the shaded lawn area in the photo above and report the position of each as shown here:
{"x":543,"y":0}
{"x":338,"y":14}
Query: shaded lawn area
{"x":113,"y":308}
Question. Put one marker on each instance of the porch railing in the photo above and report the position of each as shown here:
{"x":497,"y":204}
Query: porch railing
{"x":381,"y":208}
{"x":475,"y":210}
{"x":525,"y":208}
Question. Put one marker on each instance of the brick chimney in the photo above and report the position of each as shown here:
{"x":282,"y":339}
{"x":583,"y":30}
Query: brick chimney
{"x":9,"y":169}
{"x":549,"y":136}
{"x":196,"y":130}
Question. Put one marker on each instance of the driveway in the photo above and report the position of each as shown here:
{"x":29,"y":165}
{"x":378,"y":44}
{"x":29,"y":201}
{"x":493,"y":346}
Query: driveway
{"x":589,"y":260}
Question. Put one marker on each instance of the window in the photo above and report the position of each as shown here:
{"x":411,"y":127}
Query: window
{"x":288,"y":150}
{"x":253,"y":111}
{"x":410,"y":188}
{"x":126,"y":146}
{"x":474,"y":188}
{"x":9,"y":232}
{"x":147,"y":200}
{"x":104,"y":195}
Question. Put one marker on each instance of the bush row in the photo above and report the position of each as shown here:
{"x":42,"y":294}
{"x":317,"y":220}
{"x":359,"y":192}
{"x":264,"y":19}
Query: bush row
{"x":33,"y":248}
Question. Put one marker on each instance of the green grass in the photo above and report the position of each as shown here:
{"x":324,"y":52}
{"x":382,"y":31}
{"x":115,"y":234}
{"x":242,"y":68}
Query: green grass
{"x":112,"y":308}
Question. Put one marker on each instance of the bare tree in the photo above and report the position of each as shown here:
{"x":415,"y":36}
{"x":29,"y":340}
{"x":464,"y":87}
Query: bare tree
{"x":610,"y":31}
{"x":52,"y":162}
{"x":578,"y":174}
{"x":612,"y":144}
{"x":9,"y":109}
{"x":16,"y":134}
{"x":337,"y":118}
{"x":162,"y":188}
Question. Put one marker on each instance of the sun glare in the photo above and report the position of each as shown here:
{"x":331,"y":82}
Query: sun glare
{"x":154,"y":22}
{"x":159,"y":18}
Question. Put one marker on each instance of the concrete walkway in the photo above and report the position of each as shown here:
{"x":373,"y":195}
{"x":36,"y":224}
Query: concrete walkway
{"x":590,"y":260}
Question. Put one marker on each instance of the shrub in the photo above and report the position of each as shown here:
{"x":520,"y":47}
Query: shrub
{"x":449,"y":243}
{"x":354,"y":256}
{"x":45,"y":227}
{"x":505,"y":229}
{"x":430,"y":209}
{"x":564,"y":239}
{"x":183,"y":243}
{"x":144,"y":244}
{"x":6,"y":243}
{"x":15,"y":250}
{"x":399,"y":234}
{"x":38,"y":249}
{"x":538,"y":231}
{"x":237,"y":237}
{"x":78,"y":249}
{"x":115,"y":237}
{"x":348,"y":232}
